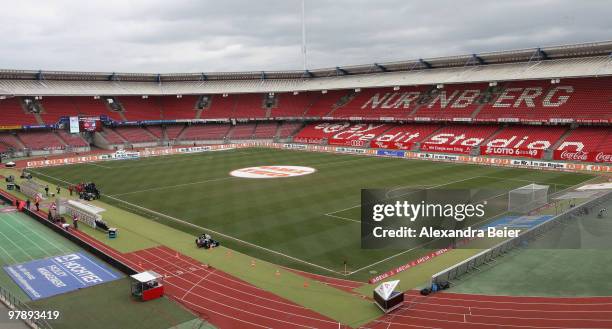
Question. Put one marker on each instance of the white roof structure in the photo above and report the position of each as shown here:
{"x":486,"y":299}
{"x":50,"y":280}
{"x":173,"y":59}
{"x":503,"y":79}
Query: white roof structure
{"x":569,"y":61}
{"x":146,"y":276}
{"x":88,"y":208}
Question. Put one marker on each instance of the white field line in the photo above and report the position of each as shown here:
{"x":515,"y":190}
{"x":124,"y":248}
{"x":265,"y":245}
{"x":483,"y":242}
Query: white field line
{"x":8,"y":254}
{"x":173,"y":186}
{"x":421,"y":245}
{"x":164,"y":159}
{"x":209,"y":180}
{"x":188,"y":291}
{"x":18,"y":247}
{"x":44,"y":250}
{"x":98,"y":165}
{"x":204,"y":228}
{"x":427,"y":188}
{"x":198,"y":283}
{"x":59,"y":247}
{"x":344,"y":218}
{"x":522,"y":180}
{"x":230,"y":287}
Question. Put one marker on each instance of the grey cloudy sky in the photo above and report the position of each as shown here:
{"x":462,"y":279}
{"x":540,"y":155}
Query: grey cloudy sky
{"x":237,"y":35}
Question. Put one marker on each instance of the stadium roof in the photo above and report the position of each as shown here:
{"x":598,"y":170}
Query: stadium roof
{"x":578,"y":60}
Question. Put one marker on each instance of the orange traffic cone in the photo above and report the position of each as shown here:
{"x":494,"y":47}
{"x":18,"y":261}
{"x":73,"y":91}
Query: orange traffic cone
{"x":306,"y":284}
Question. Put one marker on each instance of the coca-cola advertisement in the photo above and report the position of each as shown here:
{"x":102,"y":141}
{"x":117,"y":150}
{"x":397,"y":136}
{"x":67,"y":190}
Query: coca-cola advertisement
{"x":583,"y":156}
{"x":390,"y":145}
{"x":512,"y":152}
{"x":446,"y":148}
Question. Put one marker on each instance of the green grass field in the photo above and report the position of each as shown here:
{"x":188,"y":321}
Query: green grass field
{"x":573,"y":259}
{"x":22,"y":239}
{"x":309,"y":222}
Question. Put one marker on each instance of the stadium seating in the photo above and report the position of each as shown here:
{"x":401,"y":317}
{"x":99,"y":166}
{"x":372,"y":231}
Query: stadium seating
{"x":315,"y":133}
{"x":136,"y":135}
{"x":581,"y":100}
{"x":290,"y":105}
{"x":56,"y":107}
{"x":206,"y":132}
{"x":10,"y":141}
{"x":249,"y":106}
{"x":242,"y":131}
{"x":112,"y":137}
{"x":323,"y":104}
{"x":136,"y":108}
{"x":359,"y":134}
{"x":220,"y":107}
{"x":527,"y":137}
{"x":457,"y":138}
{"x":451,"y":103}
{"x":378,"y":103}
{"x":173,"y":132}
{"x":588,"y":144}
{"x":12,"y":114}
{"x":403,"y":137}
{"x":590,"y":139}
{"x":74,"y":140}
{"x":41,"y":140}
{"x":178,"y":108}
{"x":287,"y":129}
{"x":265,"y":130}
{"x":156,"y":131}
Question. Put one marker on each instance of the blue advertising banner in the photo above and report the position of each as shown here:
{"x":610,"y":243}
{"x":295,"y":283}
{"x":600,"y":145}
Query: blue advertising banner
{"x":57,"y":275}
{"x":391,"y":153}
{"x":524,"y":222}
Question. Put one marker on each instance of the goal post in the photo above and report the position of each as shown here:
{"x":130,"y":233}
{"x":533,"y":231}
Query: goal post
{"x":527,"y":198}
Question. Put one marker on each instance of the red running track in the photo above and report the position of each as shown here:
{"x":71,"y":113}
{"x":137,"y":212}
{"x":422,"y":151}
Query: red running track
{"x":463,"y":311}
{"x":228,"y":302}
{"x":219,"y":298}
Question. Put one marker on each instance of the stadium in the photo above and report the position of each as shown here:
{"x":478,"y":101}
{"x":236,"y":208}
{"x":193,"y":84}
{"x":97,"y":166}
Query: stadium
{"x":110,"y":177}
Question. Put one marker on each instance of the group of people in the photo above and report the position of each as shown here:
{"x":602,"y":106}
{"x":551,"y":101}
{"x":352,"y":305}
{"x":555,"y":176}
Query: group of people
{"x":85,"y":191}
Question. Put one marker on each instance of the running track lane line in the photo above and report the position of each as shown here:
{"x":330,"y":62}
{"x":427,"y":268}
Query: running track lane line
{"x":219,"y":293}
{"x":132,"y":262}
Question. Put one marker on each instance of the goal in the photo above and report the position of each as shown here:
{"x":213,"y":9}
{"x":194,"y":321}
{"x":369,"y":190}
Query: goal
{"x":527,"y":198}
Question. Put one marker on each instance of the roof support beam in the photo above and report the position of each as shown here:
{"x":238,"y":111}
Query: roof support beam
{"x":425,"y":63}
{"x":479,"y":59}
{"x":341,"y":71}
{"x":380,"y":67}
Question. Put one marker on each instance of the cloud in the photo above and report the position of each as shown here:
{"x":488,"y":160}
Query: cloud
{"x":232,"y":35}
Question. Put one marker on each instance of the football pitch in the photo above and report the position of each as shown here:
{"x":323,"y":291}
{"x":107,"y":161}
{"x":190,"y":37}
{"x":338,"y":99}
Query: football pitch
{"x":309,"y":222}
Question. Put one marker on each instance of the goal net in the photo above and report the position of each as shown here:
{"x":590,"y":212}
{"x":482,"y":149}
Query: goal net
{"x":527,"y":198}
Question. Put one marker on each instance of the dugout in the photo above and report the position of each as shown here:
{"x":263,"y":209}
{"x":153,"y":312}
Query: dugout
{"x":147,"y":286}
